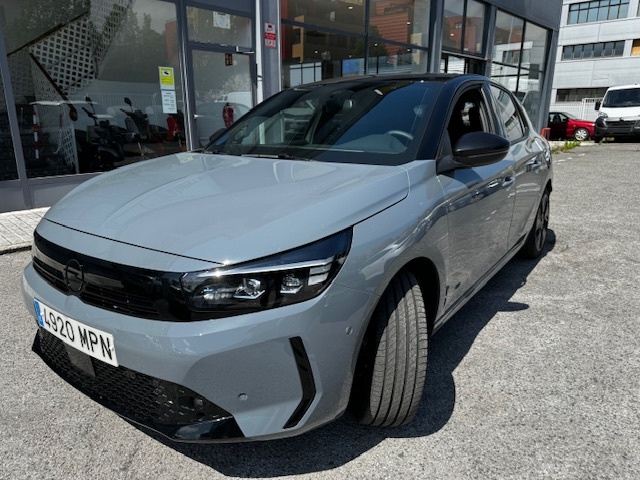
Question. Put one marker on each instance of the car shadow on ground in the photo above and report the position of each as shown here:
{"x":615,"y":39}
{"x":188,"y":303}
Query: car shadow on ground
{"x":344,"y":440}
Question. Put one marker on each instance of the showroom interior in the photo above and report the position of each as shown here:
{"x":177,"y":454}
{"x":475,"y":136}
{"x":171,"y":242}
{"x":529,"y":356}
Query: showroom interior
{"x":91,"y":85}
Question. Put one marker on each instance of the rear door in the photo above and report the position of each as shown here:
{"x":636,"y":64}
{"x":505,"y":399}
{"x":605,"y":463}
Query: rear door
{"x":527,"y":154}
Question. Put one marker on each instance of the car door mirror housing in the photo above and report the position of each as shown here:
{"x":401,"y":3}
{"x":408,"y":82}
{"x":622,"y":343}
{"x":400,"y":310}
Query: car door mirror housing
{"x":476,"y":149}
{"x":598,"y":104}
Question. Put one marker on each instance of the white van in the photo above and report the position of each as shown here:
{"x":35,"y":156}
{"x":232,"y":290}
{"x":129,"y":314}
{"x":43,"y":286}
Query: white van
{"x":619,"y":113}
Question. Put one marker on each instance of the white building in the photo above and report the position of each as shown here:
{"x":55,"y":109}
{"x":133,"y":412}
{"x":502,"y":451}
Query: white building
{"x":598,"y":47}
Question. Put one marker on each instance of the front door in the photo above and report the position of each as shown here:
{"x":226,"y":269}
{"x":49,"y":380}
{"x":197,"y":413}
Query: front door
{"x":220,"y":70}
{"x":480,"y":202}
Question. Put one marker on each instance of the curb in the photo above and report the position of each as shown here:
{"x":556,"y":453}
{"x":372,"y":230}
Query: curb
{"x":20,"y":247}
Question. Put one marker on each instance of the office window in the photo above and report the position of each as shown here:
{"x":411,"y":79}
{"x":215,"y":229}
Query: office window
{"x":635,"y":49}
{"x":599,"y":11}
{"x":577,"y":94}
{"x":593,"y":50}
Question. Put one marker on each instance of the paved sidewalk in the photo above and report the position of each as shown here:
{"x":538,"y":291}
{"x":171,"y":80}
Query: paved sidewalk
{"x":16,"y":229}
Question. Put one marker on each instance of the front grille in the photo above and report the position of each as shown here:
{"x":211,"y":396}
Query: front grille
{"x":119,"y":288}
{"x":157,"y":404}
{"x":621,"y":123}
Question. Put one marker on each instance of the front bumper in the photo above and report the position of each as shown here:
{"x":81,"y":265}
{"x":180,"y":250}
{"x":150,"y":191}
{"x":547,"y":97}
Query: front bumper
{"x":265,"y":375}
{"x":177,"y":412}
{"x":613,"y":127}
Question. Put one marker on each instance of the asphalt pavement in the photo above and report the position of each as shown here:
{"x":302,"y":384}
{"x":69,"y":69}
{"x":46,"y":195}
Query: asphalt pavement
{"x":537,"y":377}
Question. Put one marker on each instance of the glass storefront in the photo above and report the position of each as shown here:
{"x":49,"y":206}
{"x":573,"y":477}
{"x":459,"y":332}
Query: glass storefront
{"x":336,"y":39}
{"x":8,"y":166}
{"x":463,"y":37}
{"x":98,"y":84}
{"x":87,"y":81}
{"x":520,"y":51}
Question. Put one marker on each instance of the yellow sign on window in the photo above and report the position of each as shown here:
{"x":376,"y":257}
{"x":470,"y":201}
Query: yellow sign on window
{"x":167,"y":80}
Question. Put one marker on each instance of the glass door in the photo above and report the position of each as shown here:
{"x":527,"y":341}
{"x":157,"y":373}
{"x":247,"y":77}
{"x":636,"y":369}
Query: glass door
{"x":221,"y":69}
{"x":223,"y":91}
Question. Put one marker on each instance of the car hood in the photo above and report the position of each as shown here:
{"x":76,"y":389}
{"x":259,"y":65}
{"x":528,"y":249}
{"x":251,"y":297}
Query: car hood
{"x":227,"y":209}
{"x":615,"y":113}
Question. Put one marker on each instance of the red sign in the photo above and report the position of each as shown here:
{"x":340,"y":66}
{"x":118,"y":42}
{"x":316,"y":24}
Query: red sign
{"x":269,"y":35}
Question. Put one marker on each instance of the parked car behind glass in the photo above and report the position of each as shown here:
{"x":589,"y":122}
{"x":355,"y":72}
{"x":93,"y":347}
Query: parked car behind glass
{"x":296,"y":267}
{"x":564,"y":125}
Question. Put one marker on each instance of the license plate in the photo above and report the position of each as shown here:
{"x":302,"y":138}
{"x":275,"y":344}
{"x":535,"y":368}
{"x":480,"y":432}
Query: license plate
{"x":89,"y":340}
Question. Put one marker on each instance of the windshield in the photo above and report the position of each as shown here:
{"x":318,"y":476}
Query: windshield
{"x":376,"y":122}
{"x":629,"y":97}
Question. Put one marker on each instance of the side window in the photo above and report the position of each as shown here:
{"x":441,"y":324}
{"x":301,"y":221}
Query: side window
{"x":509,"y":114}
{"x":470,"y":114}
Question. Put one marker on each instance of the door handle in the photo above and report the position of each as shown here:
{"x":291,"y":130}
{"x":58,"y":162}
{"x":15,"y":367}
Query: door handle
{"x":535,"y":165}
{"x":508,"y":181}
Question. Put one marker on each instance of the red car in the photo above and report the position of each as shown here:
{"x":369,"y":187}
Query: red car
{"x":565,"y":125}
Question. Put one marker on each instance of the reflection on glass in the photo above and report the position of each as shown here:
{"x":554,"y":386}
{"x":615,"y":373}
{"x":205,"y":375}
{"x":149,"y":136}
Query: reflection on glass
{"x":454,"y":64}
{"x":535,"y":42}
{"x":505,"y":75}
{"x":310,"y":55}
{"x":345,"y":15}
{"x":401,"y":21}
{"x":206,"y":26}
{"x":474,"y":27}
{"x":223,"y":98}
{"x":452,"y":24}
{"x":508,"y":38}
{"x":405,"y":60}
{"x":529,"y":86}
{"x":8,"y":168}
{"x":87,"y":82}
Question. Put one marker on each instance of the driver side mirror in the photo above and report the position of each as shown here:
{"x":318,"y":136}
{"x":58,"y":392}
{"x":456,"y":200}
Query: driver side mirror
{"x":476,"y":149}
{"x":598,"y":105}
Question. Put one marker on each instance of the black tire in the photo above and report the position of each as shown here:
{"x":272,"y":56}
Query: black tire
{"x":538,"y":234}
{"x":581,"y":134}
{"x":392,"y":366}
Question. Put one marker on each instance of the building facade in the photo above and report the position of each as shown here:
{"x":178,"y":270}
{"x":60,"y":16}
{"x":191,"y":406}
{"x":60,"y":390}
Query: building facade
{"x":598,"y":47}
{"x":90,"y":85}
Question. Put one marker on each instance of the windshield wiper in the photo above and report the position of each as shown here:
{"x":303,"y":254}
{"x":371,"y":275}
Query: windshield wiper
{"x":280,"y":156}
{"x":220,"y":152}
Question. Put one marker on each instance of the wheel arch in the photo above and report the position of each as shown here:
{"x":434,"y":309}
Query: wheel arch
{"x":428,"y":278}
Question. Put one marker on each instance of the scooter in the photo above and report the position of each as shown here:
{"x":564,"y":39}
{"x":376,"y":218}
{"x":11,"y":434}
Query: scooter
{"x":103,"y":150}
{"x":137,"y":122}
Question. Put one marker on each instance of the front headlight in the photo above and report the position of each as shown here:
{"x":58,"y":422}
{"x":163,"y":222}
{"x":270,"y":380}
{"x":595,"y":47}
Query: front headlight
{"x":283,"y":279}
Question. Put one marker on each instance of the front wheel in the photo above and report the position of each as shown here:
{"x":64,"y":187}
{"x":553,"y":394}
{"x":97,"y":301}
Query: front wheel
{"x":538,"y":234}
{"x":392,"y":366}
{"x":581,"y":134}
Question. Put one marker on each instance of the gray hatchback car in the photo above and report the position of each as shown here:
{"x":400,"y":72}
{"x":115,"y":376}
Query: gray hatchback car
{"x":297,"y":266}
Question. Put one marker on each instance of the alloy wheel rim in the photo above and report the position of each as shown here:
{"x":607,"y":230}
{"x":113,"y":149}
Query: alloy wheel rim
{"x":542,"y":222}
{"x":581,"y":134}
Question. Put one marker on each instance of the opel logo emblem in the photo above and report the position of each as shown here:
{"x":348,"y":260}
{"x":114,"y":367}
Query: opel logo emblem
{"x":74,"y":276}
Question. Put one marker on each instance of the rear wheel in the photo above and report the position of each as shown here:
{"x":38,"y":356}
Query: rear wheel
{"x":392,"y":365}
{"x":538,"y":234}
{"x":581,"y":134}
